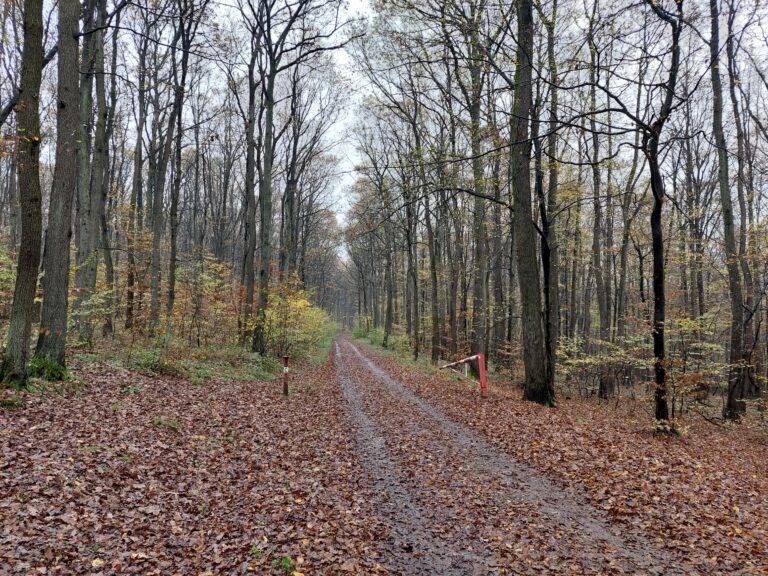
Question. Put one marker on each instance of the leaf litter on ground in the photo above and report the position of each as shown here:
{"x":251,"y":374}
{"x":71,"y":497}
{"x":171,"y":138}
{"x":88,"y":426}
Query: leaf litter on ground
{"x":155,"y":475}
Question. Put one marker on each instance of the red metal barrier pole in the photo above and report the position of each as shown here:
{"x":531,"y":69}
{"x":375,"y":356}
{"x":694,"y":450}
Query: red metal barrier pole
{"x":481,"y":370}
{"x":285,"y":375}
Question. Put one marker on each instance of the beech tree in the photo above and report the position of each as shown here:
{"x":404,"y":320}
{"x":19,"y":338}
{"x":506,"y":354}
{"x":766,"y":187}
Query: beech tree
{"x":15,"y":355}
{"x":51,"y":342}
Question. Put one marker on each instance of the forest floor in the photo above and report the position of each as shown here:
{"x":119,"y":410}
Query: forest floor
{"x":369,"y":466}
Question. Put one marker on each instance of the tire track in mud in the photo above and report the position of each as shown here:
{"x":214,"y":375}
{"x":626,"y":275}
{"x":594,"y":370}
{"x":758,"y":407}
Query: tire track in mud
{"x":564,"y":527}
{"x":412,"y":547}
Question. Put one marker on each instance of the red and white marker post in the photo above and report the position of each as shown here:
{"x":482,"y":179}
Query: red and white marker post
{"x":285,"y":376}
{"x":480,"y":357}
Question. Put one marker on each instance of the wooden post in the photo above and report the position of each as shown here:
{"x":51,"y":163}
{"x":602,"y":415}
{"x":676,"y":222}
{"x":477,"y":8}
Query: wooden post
{"x":285,"y":376}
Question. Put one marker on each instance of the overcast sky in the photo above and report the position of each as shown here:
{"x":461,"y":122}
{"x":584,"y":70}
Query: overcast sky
{"x":346,"y":148}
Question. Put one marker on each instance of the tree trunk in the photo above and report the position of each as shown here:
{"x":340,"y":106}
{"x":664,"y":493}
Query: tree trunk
{"x":249,"y":251}
{"x":659,"y":300}
{"x":265,"y":203}
{"x":106,"y":250}
{"x":606,"y":384}
{"x":737,"y":371}
{"x":480,"y":276}
{"x":14,"y":364}
{"x":746,"y":228}
{"x":538,"y":380}
{"x":88,"y":224}
{"x":435,"y":305}
{"x":52,"y":338}
{"x":188,"y":27}
{"x":553,"y":280}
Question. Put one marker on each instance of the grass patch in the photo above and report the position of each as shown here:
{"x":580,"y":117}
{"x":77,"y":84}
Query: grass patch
{"x":284,"y":563}
{"x":87,"y":358}
{"x":320,"y":356}
{"x":227,"y":363}
{"x":398,"y":348}
{"x":62,"y":388}
{"x":154,"y":361}
{"x":198,"y":364}
{"x":11,"y":399}
{"x":167,"y":423}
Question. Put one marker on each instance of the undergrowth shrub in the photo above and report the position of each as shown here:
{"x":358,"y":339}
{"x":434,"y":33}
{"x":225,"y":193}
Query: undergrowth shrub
{"x":294,"y":327}
{"x":202,"y":338}
{"x":376,"y":336}
{"x":227,"y":362}
{"x":156,"y":361}
{"x":47,"y":369}
{"x":400,"y":343}
{"x":7,"y":279}
{"x":398,"y":340}
{"x":360,"y":331}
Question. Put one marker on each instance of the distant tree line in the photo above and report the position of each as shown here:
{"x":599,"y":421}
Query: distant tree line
{"x":578,"y":187}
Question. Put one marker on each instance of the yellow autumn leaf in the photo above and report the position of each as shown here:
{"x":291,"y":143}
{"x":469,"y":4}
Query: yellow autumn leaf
{"x":97,"y":563}
{"x":297,"y":573}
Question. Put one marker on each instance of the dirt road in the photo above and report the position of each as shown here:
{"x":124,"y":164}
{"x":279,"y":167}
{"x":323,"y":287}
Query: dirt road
{"x":455,"y":504}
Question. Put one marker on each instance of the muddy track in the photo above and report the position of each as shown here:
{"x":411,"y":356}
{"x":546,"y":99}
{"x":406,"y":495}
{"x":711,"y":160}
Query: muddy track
{"x":427,"y":468}
{"x":411,"y":545}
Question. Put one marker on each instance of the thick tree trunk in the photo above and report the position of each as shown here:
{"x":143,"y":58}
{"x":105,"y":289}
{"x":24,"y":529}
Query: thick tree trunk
{"x":434,"y":302}
{"x":106,"y":249}
{"x":14,"y":364}
{"x":538,"y":379}
{"x":659,"y":299}
{"x":265,"y":203}
{"x":90,"y":172}
{"x":52,"y":339}
{"x":738,"y":370}
{"x":553,"y":280}
{"x":134,"y":214}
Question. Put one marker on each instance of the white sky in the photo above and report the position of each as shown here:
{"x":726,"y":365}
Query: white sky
{"x":346,"y":149}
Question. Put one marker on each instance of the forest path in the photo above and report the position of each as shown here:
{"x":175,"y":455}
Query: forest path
{"x":455,"y":504}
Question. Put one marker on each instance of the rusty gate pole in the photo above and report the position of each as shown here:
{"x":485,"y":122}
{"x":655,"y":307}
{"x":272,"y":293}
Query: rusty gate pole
{"x":481,"y":371}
